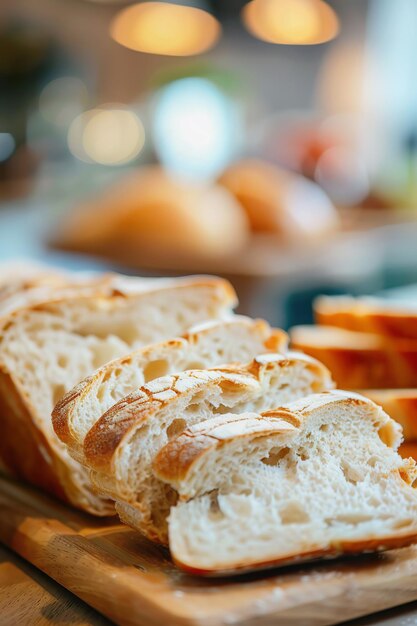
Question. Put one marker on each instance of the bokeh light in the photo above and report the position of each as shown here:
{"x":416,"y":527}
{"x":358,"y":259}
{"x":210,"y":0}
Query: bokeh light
{"x":62,"y":100}
{"x":165,"y":28}
{"x":107,"y":135}
{"x":296,"y":22}
{"x":7,"y":146}
{"x":196,"y":128}
{"x":342,"y":173}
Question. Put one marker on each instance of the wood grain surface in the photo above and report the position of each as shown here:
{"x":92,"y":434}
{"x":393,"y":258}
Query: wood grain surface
{"x":29,"y":598}
{"x":134,"y":582}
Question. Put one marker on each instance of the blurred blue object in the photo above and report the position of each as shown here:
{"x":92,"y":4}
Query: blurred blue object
{"x":196,"y":128}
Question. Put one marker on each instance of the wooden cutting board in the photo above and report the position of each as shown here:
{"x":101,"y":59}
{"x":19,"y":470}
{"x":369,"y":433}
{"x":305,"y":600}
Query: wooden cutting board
{"x":133,"y":582}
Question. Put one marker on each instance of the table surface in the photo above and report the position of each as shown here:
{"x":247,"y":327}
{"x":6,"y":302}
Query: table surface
{"x":30,"y":598}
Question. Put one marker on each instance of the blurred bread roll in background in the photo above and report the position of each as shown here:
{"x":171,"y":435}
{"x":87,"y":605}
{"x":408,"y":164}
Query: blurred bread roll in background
{"x":152,"y":214}
{"x":279,"y":201}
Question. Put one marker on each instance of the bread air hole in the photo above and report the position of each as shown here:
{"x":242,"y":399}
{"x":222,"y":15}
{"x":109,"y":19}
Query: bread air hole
{"x":303,"y":454}
{"x":407,"y":477}
{"x":221,"y":409}
{"x":275,"y":455}
{"x":387,"y":435}
{"x":62,"y":360}
{"x":155,"y":369}
{"x":176,"y":427}
{"x":194,"y":408}
{"x":195,"y":365}
{"x":128,"y":333}
{"x":293,"y":513}
{"x":30,"y":367}
{"x":214,"y":510}
{"x":350,"y":473}
{"x":116,"y":373}
{"x":276,"y":383}
{"x":57,"y":393}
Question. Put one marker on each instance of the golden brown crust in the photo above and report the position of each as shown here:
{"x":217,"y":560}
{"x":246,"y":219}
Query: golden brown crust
{"x":174,"y":461}
{"x":267,"y":362}
{"x":102,"y":441}
{"x":373,"y":544}
{"x":113,"y":289}
{"x":63,"y":408}
{"x":63,"y":412}
{"x":401,"y":405}
{"x":374,"y":316}
{"x":364,"y":367}
{"x":22,"y":443}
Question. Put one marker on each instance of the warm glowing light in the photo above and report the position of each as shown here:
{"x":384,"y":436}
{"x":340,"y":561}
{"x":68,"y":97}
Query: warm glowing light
{"x":196,"y":128}
{"x":109,"y":136}
{"x":340,"y":84}
{"x":62,"y":99}
{"x":165,"y":28}
{"x":297,"y":22}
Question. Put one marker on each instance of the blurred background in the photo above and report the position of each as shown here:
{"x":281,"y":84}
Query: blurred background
{"x":272,"y":141}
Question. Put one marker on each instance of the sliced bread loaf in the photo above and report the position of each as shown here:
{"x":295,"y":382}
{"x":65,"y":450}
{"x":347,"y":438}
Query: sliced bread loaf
{"x":359,"y":360}
{"x":22,"y":285}
{"x":375,"y":315}
{"x":238,"y":339}
{"x":121,"y":446}
{"x":49,"y":344}
{"x":317,"y":477}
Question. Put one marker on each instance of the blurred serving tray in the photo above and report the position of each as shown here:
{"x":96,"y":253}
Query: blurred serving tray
{"x":134,"y":582}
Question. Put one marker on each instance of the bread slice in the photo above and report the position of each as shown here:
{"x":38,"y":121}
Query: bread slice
{"x":238,"y":339}
{"x":20,"y":271}
{"x":22,"y":285}
{"x":317,"y":477}
{"x":385,"y":317}
{"x":401,"y":405}
{"x":18,"y":288}
{"x":359,"y":360}
{"x":121,"y":446}
{"x":48,"y":346}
